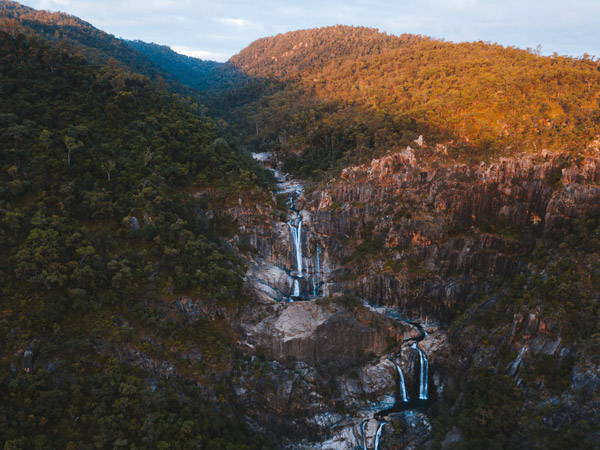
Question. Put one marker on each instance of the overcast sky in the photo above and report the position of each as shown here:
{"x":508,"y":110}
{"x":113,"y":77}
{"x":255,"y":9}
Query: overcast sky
{"x":218,"y":29}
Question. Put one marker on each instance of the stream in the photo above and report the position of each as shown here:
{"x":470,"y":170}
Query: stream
{"x":304,"y":286}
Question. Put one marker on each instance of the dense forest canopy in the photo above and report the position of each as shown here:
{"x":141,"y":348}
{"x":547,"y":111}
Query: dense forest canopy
{"x":74,"y":35}
{"x":103,"y":223}
{"x":347,"y":93}
{"x":190,"y":71}
{"x":116,"y":187}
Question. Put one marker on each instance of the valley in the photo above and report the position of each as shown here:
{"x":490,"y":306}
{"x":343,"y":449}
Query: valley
{"x":339,"y":239}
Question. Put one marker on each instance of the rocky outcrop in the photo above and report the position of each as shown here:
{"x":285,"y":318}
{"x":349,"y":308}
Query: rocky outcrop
{"x":323,"y":368}
{"x":425,"y":238}
{"x":318,"y":333}
{"x":423,"y":241}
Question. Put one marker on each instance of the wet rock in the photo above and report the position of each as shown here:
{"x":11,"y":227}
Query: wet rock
{"x":344,"y":439}
{"x":269,"y":282}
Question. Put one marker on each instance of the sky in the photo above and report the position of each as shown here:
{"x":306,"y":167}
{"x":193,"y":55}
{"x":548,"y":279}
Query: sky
{"x":218,"y":29}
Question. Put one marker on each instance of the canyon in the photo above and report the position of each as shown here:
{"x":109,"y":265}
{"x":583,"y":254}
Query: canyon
{"x":339,"y":239}
{"x":349,"y":343}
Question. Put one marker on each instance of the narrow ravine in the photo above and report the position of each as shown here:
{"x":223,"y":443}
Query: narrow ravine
{"x":304,"y":283}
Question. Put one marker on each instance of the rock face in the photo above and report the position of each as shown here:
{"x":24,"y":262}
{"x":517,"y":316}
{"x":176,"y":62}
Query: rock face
{"x":273,"y":264}
{"x":320,"y":334}
{"x":424,"y":241}
{"x":441,"y":233}
{"x":321,"y":369}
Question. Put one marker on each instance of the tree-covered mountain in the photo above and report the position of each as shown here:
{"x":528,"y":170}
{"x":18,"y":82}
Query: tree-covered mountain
{"x":112,"y":189}
{"x":346,"y":93}
{"x":148,"y":268}
{"x":192,"y":72}
{"x":74,"y":35}
{"x":479,"y":211}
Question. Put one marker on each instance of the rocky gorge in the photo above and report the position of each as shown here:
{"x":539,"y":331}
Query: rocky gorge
{"x":385,"y":271}
{"x":339,"y":239}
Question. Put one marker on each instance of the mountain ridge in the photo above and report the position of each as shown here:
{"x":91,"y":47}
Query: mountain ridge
{"x":440,"y":238}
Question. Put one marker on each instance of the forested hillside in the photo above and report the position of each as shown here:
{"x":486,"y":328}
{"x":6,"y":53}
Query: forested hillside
{"x":429,"y":275}
{"x":74,"y":35}
{"x":344,"y":93}
{"x":192,"y":72}
{"x":100,"y":233}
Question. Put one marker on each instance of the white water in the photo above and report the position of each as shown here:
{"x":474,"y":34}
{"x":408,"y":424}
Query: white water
{"x":423,"y":378}
{"x":402,"y":385}
{"x":296,"y":289}
{"x":296,"y":234}
{"x":318,"y":268}
{"x":378,"y":435}
{"x":364,"y":425}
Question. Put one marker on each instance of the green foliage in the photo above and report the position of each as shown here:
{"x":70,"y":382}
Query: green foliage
{"x":190,"y":71}
{"x":347,"y":94}
{"x":111,"y":197}
{"x":485,"y":411}
{"x":557,"y":373}
{"x":74,"y":35}
{"x":366,"y":249}
{"x":99,"y":403}
{"x":350,"y":301}
{"x":72,"y":127}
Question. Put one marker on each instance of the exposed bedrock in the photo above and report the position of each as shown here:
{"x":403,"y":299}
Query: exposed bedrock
{"x":425,"y":239}
{"x":329,"y":333}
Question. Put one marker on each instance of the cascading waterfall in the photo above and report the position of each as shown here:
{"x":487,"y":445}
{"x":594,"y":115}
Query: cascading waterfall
{"x":313,"y":278}
{"x":378,"y":435}
{"x":295,"y":226}
{"x":364,"y":434}
{"x":317,"y":272}
{"x":402,"y":385}
{"x":423,"y":378}
{"x":318,"y":268}
{"x":296,"y":233}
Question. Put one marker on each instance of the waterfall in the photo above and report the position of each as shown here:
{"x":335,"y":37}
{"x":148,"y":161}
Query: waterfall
{"x":402,"y":385}
{"x":296,"y":289}
{"x":296,"y":234}
{"x":423,"y":378}
{"x":364,"y":425}
{"x":378,"y":435}
{"x":318,"y":268}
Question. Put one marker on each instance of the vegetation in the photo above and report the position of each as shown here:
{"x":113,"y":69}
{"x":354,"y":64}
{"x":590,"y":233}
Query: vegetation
{"x":190,"y":71}
{"x":340,"y":95}
{"x":111,"y":192}
{"x":73,"y":35}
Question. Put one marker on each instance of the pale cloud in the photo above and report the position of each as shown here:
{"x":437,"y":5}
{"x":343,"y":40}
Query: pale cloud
{"x":197,"y":53}
{"x":53,"y":4}
{"x":461,"y":5}
{"x":238,"y":22}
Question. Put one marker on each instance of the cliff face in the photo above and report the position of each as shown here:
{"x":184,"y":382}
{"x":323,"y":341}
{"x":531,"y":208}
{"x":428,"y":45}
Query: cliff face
{"x":318,"y":334}
{"x":438,"y":243}
{"x":426,"y":238}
